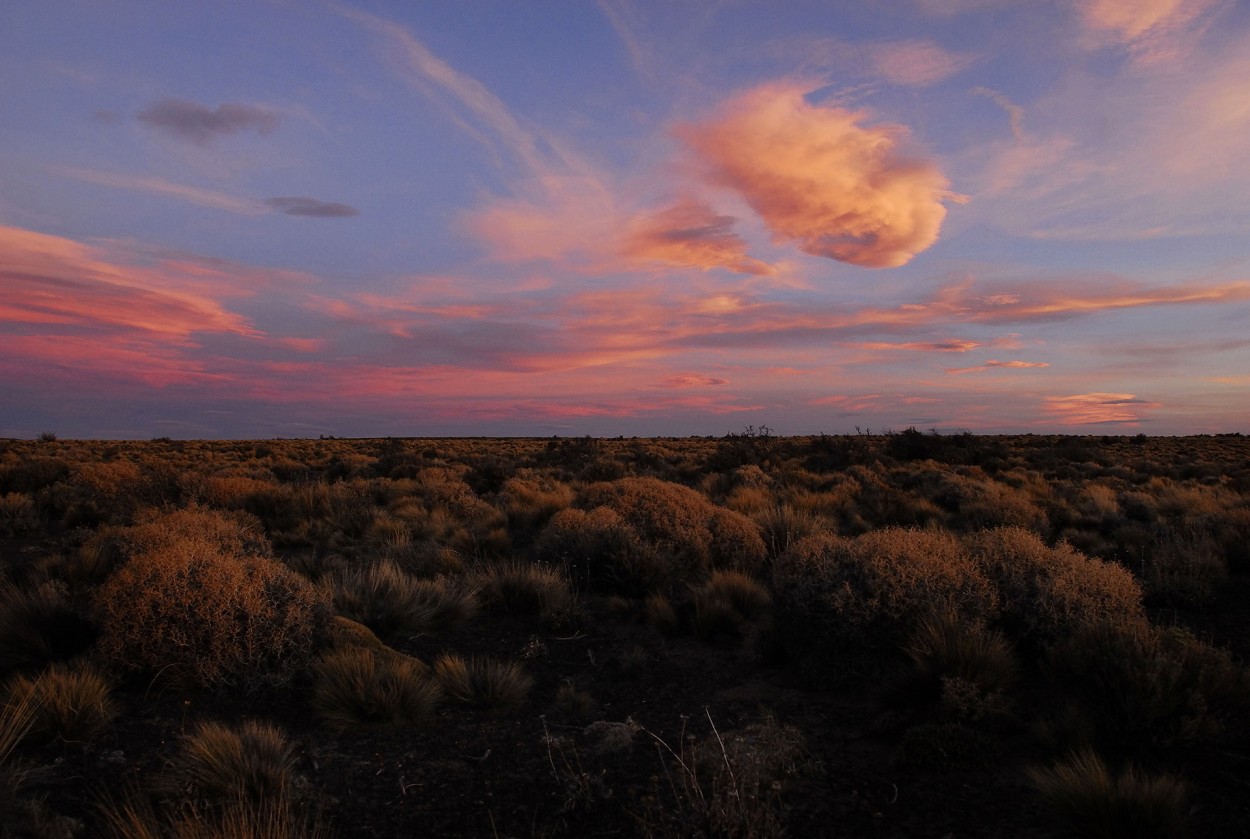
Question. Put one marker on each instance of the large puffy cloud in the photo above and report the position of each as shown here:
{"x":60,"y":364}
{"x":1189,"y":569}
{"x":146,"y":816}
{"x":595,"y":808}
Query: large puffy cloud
{"x":818,"y":177}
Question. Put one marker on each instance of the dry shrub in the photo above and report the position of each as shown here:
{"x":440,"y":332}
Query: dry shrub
{"x":599,"y":550}
{"x":1047,"y":594}
{"x":71,"y":704}
{"x":1095,"y":803}
{"x":387,"y":600}
{"x":356,"y":686}
{"x":524,"y":589}
{"x":189,"y":610}
{"x":838,"y":595}
{"x":484,"y":682}
{"x":233,"y":533}
{"x":18,"y":515}
{"x":736,"y":541}
{"x":531,"y":500}
{"x":1143,"y":687}
{"x":681,"y":524}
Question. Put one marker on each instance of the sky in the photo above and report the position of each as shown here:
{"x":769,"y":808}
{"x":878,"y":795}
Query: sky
{"x":562,"y":217}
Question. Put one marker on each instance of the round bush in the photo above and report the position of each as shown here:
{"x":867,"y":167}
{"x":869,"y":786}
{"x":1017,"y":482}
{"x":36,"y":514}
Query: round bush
{"x":1048,"y":594}
{"x":868,"y":593}
{"x":191,"y":612}
{"x":680,"y":524}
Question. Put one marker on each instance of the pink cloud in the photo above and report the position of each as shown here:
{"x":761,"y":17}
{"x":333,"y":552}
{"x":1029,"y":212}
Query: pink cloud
{"x":54,"y":281}
{"x":1152,"y":30}
{"x":1097,"y":408}
{"x":689,"y":234}
{"x":819,"y":178}
{"x":998,"y":365}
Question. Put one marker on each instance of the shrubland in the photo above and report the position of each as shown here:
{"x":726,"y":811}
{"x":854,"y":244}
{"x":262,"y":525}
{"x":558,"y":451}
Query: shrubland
{"x":742,"y":636}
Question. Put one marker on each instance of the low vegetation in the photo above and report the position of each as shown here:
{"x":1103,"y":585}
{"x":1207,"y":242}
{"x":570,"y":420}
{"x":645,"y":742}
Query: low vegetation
{"x":904,"y":634}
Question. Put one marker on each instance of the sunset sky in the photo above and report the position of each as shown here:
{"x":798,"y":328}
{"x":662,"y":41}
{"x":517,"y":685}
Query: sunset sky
{"x":283,"y":219}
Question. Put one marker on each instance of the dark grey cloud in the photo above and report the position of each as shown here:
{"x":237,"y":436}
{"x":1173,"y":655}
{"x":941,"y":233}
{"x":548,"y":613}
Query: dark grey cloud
{"x":300,"y":206}
{"x":201,"y":124}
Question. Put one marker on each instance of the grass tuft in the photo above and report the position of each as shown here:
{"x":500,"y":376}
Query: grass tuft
{"x":1096,"y":803}
{"x":484,"y":682}
{"x":359,"y":687}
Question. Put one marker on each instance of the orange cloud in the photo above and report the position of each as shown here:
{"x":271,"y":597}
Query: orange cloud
{"x":998,"y":365}
{"x":819,"y":178}
{"x":690,"y":234}
{"x":1095,"y":408}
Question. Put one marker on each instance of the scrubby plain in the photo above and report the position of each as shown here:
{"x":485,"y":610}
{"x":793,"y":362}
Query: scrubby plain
{"x":903,"y":634}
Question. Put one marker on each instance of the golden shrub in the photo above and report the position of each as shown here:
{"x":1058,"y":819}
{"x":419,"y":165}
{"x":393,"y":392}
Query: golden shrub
{"x":870,"y":591}
{"x":191,"y":611}
{"x":1045,"y":593}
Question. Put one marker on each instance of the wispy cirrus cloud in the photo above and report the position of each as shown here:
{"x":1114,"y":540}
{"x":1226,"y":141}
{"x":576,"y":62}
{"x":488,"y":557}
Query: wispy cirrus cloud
{"x":212,"y":199}
{"x":819,"y":178}
{"x":160,"y":186}
{"x":1152,"y":30}
{"x":200,"y":124}
{"x":917,"y":62}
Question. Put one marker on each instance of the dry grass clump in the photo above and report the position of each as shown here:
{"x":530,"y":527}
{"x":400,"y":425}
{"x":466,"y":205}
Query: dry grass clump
{"x":218,"y":764}
{"x":1047,"y":594}
{"x":523,"y":589}
{"x":387,"y":600}
{"x":726,"y":602}
{"x":965,"y":666}
{"x":1096,"y":803}
{"x":224,"y":782}
{"x":39,"y":624}
{"x":71,"y":704}
{"x":784,"y":524}
{"x":135,"y":818}
{"x":867,"y":594}
{"x":356,"y":686}
{"x":188,"y":610}
{"x":484,"y":682}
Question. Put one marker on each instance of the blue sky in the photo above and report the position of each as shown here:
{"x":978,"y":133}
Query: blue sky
{"x":287,"y":219}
